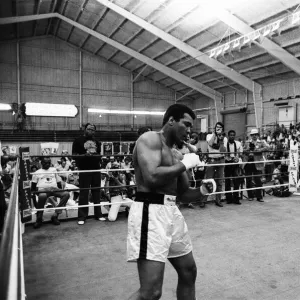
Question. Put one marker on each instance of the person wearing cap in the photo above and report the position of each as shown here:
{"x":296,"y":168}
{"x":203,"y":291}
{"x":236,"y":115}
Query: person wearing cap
{"x":89,"y":149}
{"x":254,"y":149}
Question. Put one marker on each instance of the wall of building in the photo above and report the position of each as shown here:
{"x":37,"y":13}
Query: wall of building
{"x":50,"y":73}
{"x":271,"y":90}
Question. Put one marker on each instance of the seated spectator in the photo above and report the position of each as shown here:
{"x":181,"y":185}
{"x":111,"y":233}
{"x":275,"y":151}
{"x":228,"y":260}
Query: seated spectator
{"x":277,"y":172}
{"x":73,"y":178}
{"x":63,"y":167}
{"x":279,"y":191}
{"x":116,"y":193}
{"x":50,"y":185}
{"x":111,"y":161}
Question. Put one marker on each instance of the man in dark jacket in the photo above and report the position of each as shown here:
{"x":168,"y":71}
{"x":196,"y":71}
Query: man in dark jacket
{"x":88,"y":147}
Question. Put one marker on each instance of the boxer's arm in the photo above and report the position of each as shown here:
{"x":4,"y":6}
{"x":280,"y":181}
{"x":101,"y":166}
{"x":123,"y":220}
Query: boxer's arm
{"x":149,"y":159}
{"x":186,"y":194}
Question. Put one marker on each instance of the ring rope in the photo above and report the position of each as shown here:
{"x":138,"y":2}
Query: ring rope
{"x":132,"y":169}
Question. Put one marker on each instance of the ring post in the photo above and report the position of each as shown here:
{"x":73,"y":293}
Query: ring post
{"x":293,"y":167}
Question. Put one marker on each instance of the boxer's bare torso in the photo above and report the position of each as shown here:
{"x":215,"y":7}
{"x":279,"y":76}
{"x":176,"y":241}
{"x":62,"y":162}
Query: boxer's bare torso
{"x":152,"y":151}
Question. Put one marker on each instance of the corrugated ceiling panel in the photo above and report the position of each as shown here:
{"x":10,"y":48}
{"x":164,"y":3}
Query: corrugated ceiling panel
{"x":172,"y":13}
{"x":156,"y":48}
{"x":93,"y":44}
{"x":91,"y":13}
{"x":106,"y":51}
{"x":147,"y":8}
{"x":140,"y":41}
{"x":45,"y":7}
{"x":26,"y":8}
{"x":287,"y":36}
{"x":73,"y":8}
{"x":120,"y":57}
{"x":168,"y":81}
{"x":205,"y":38}
{"x":256,"y":61}
{"x":123,"y":34}
{"x":132,"y":64}
{"x":196,"y":70}
{"x":64,"y":29}
{"x":196,"y":22}
{"x":77,"y":36}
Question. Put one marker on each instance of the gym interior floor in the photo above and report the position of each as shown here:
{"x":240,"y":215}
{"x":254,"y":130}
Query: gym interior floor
{"x":248,"y":251}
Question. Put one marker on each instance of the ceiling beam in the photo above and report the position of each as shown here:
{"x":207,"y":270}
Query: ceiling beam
{"x":116,"y":29}
{"x":272,"y":48}
{"x":20,"y":19}
{"x":78,"y":15}
{"x":95,"y":25}
{"x":58,"y":20}
{"x":168,"y":29}
{"x":173,"y":74}
{"x":198,"y":55}
{"x":37,"y":12}
{"x":50,"y":21}
{"x":153,"y":16}
{"x":154,"y":64}
{"x":188,"y":38}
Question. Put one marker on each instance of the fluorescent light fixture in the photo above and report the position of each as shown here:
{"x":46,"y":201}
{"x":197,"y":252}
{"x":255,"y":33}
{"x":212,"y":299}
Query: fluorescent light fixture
{"x":4,"y":106}
{"x":51,"y":110}
{"x":125,"y":112}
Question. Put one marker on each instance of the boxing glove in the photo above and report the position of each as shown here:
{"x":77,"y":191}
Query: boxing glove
{"x":190,"y":160}
{"x":208,"y":186}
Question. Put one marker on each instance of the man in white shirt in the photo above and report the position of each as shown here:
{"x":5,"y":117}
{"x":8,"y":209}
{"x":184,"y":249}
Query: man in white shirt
{"x":216,"y":150}
{"x":234,"y":149}
{"x":47,"y":181}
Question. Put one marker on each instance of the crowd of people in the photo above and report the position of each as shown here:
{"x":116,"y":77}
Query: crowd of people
{"x":235,"y":170}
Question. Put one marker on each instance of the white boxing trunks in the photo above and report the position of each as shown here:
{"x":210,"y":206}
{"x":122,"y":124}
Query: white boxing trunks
{"x":156,"y":231}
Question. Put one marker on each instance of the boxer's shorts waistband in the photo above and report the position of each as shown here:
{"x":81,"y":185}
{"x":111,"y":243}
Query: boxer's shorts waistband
{"x":155,"y":198}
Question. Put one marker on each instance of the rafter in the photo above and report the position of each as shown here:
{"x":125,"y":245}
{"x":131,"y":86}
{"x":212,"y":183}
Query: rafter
{"x":20,"y":19}
{"x":96,"y":24}
{"x":116,"y":29}
{"x":272,"y":48}
{"x":151,"y":18}
{"x":58,"y":21}
{"x":37,"y":12}
{"x":202,"y":57}
{"x":173,"y":74}
{"x":168,"y":29}
{"x":50,"y":21}
{"x":78,"y":15}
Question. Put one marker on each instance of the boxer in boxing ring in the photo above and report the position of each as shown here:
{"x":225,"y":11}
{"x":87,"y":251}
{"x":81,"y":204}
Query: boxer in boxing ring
{"x":156,"y":228}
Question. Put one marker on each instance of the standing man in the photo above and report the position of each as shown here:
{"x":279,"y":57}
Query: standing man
{"x":88,"y":147}
{"x":254,"y":149}
{"x":235,"y":150}
{"x":216,"y":142}
{"x":156,"y":228}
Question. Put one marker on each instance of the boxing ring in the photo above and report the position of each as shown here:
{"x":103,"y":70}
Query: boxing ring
{"x":247,"y":252}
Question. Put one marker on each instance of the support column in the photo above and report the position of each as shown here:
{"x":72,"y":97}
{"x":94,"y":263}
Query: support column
{"x":18,"y":74}
{"x":80,"y":89}
{"x":258,"y":105}
{"x":132,"y":100}
{"x":218,"y":108}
